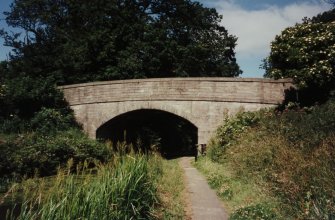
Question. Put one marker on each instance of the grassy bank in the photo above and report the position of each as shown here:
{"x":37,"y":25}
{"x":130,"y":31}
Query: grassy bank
{"x":275,"y":165}
{"x":131,"y":186}
{"x":236,"y":191}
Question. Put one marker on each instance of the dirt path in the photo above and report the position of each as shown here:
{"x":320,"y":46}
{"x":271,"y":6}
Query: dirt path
{"x":204,"y":203}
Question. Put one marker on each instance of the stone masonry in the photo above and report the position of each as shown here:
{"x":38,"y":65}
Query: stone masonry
{"x":202,"y":101}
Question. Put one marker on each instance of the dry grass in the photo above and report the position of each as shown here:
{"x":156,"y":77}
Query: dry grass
{"x":171,"y":191}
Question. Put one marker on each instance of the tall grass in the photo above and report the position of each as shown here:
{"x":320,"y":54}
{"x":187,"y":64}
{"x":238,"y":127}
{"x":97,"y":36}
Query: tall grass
{"x":121,"y":189}
{"x":289,"y":155}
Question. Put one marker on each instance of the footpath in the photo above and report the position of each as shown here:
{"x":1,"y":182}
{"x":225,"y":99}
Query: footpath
{"x":204,"y":203}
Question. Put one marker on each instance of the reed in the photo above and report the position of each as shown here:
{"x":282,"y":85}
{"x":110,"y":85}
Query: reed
{"x":124,"y":188}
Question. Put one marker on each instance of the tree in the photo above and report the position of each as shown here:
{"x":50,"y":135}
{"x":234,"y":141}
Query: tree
{"x":325,"y":17}
{"x":80,"y":41}
{"x":306,"y":53}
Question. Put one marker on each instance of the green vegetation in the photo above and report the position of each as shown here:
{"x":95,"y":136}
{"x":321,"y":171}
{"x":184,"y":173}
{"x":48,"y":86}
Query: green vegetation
{"x":305,"y":53}
{"x":122,"y":189}
{"x":71,"y":41}
{"x":129,"y":186}
{"x":237,"y":192}
{"x":171,"y":189}
{"x":278,"y":164}
{"x":26,"y":155}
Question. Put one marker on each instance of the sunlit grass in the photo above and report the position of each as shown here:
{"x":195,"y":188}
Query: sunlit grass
{"x":171,"y":191}
{"x":236,"y":192}
{"x":280,"y":166}
{"x":121,"y":189}
{"x":130,"y":186}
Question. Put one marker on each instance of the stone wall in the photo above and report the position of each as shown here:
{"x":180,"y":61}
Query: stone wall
{"x":202,"y":101}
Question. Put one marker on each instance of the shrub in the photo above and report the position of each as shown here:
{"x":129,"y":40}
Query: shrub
{"x":13,"y":124}
{"x":305,"y":53}
{"x":302,"y":128}
{"x":50,"y":120}
{"x":33,"y":152}
{"x":25,"y":95}
{"x":228,"y":133}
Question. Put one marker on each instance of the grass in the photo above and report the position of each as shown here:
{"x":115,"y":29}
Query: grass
{"x":121,"y":189}
{"x":130,"y":186}
{"x":236,"y":192}
{"x":171,"y":191}
{"x":275,"y":165}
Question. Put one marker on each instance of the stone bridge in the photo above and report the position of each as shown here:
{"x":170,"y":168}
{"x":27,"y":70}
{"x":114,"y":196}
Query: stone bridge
{"x":201,"y":101}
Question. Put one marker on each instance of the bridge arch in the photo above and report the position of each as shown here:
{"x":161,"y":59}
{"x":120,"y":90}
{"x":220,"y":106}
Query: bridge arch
{"x":127,"y":107}
{"x":172,"y":135}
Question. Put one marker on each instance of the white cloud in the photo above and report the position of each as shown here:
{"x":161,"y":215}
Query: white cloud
{"x":255,"y":29}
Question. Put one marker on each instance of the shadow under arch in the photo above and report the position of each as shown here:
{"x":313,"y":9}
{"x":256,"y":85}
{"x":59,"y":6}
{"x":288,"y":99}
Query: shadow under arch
{"x":173,"y":135}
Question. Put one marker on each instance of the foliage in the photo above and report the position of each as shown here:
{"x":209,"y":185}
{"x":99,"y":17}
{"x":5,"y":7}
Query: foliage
{"x":128,"y":186}
{"x":325,"y":17}
{"x":302,"y":128}
{"x":74,"y":41}
{"x":29,"y":153}
{"x":229,"y":131}
{"x":47,"y":121}
{"x":13,"y":124}
{"x":23,"y":96}
{"x":125,"y":188}
{"x":305,"y":53}
{"x":254,"y":212}
{"x":293,"y":153}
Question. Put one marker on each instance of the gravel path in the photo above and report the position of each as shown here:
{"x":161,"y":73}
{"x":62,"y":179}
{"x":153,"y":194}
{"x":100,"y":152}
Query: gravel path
{"x":203,"y":200}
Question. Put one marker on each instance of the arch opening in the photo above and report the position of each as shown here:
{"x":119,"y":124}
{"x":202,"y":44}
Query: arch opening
{"x":170,"y":134}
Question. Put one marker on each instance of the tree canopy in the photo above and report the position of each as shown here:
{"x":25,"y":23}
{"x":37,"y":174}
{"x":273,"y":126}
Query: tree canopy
{"x":79,"y":41}
{"x":306,"y":53}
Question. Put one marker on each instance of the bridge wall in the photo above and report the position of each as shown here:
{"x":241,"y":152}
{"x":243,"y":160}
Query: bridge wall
{"x":202,"y":101}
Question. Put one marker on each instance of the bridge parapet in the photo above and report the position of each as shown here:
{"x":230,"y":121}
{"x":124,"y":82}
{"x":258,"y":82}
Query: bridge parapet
{"x":241,"y":90}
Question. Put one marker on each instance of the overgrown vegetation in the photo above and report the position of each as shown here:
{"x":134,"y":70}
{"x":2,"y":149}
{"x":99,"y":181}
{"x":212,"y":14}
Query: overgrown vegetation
{"x":26,"y":155}
{"x":129,"y":186}
{"x":288,"y":156}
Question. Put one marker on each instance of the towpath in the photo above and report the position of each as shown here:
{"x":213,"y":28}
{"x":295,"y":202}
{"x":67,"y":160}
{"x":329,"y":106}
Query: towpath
{"x":204,"y":203}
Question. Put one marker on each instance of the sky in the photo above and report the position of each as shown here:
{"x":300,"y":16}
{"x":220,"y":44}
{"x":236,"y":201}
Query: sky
{"x":254,"y":22}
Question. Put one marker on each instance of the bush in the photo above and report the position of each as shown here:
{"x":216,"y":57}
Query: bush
{"x":302,"y":128}
{"x":51,"y":120}
{"x":228,"y":133}
{"x":29,"y":104}
{"x":33,"y":152}
{"x":25,"y":95}
{"x":13,"y":124}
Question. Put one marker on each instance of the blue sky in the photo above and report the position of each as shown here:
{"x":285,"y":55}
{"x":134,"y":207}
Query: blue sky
{"x":254,"y":22}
